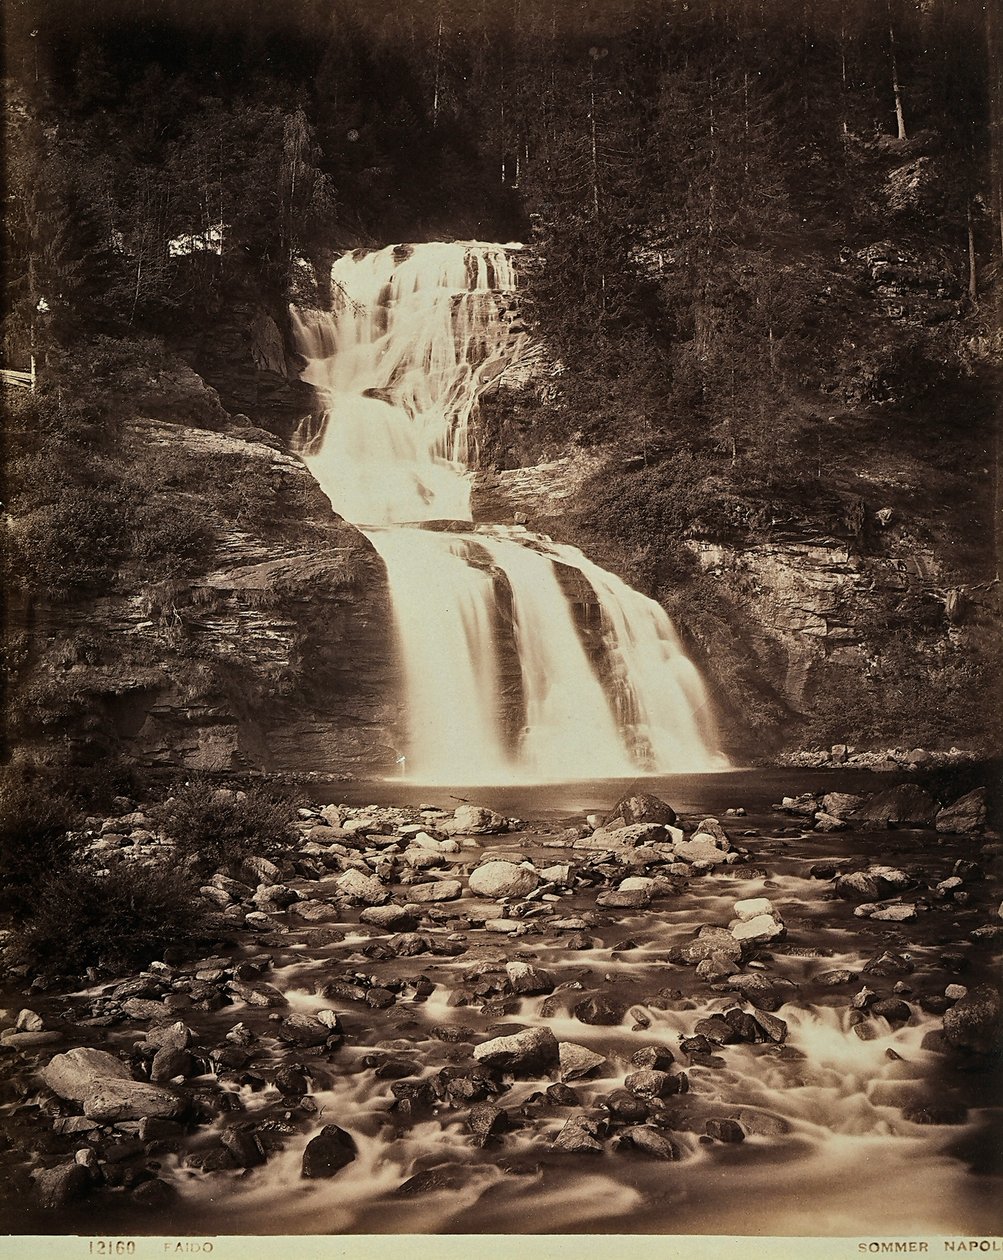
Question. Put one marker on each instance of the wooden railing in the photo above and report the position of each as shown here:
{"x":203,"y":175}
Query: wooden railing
{"x":13,"y":376}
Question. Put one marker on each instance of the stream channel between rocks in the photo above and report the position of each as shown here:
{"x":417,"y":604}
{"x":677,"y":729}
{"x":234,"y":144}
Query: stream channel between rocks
{"x":779,"y":1104}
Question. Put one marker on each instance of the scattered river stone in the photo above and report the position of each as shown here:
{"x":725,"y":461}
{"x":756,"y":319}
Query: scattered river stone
{"x":711,"y":941}
{"x":104,"y":1087}
{"x":363,"y":889}
{"x":529,"y":980}
{"x":872,"y":884}
{"x":965,"y":815}
{"x":649,"y":1083}
{"x":473,"y":820}
{"x":725,"y":1130}
{"x":599,"y":1009}
{"x":265,"y":995}
{"x":645,"y":1139}
{"x":56,"y":1187}
{"x":639,"y":808}
{"x":502,"y":879}
{"x":581,"y":1136}
{"x":527,"y":1051}
{"x":906,"y":803}
{"x":974,"y":1022}
{"x":392,"y":917}
{"x":577,"y":1061}
{"x":441,"y":890}
{"x":758,"y":990}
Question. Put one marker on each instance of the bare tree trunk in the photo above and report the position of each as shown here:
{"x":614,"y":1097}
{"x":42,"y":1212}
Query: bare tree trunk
{"x":973,"y":282}
{"x":897,"y":87}
{"x":438,"y":63}
{"x":595,"y":152}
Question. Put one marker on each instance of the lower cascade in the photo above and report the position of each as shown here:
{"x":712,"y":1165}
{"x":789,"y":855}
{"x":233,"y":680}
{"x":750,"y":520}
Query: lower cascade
{"x":503,"y":681}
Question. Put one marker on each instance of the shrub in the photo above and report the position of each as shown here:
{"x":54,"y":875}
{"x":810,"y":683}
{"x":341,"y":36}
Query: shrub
{"x":215,"y":827}
{"x":122,"y":918}
{"x":34,"y":844}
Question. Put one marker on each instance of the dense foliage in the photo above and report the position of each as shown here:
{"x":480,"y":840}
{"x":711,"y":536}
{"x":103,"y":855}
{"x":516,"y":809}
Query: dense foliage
{"x":115,"y":919}
{"x":34,"y":845}
{"x":215,"y":827}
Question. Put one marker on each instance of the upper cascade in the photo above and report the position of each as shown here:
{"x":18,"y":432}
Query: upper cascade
{"x":505,"y":681}
{"x":414,"y":334}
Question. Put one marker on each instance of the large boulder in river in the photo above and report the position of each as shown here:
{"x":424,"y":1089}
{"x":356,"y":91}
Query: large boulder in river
{"x":976,"y":1021}
{"x":906,"y":803}
{"x":473,"y":820}
{"x":639,"y":808}
{"x":712,"y":942}
{"x":104,"y":1088}
{"x":362,"y":889}
{"x":873,"y":884}
{"x":503,"y":879}
{"x":330,"y":1151}
{"x":702,"y":848}
{"x":531,"y":1050}
{"x":841,"y":804}
{"x":966,"y":815}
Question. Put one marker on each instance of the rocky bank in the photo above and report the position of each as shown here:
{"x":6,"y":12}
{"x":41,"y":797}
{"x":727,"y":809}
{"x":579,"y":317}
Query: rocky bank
{"x":394,"y":974}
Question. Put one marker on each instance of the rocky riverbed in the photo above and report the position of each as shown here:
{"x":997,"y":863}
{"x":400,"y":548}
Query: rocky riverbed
{"x":419,"y":1019}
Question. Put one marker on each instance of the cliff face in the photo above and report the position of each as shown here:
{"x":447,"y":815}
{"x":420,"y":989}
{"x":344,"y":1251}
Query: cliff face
{"x":279,"y":657}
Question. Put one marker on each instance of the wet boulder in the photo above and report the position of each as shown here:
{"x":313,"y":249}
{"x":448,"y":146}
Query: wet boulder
{"x":630,"y":895}
{"x":658,"y":1057}
{"x":330,"y":1151}
{"x":649,"y":1084}
{"x":103,"y":1086}
{"x":639,"y":808}
{"x":473,"y":820}
{"x":975,"y":1022}
{"x":486,"y":1121}
{"x":712,"y":943}
{"x":577,"y":1061}
{"x":362,"y":889}
{"x":906,"y":804}
{"x":724,"y":1130}
{"x":873,"y":884}
{"x":532,"y":1050}
{"x":712,"y":827}
{"x":756,"y":921}
{"x":841,"y":804}
{"x":965,"y":816}
{"x":503,"y":879}
{"x":259,"y":870}
{"x":581,"y":1135}
{"x":169,"y":1063}
{"x":700,"y":849}
{"x":528,"y":980}
{"x":303,"y":1030}
{"x":392,"y":917}
{"x":62,"y":1185}
{"x":757,"y":990}
{"x":243,"y":1147}
{"x":829,"y":822}
{"x":439,"y":890}
{"x":599,"y":1009}
{"x":900,"y":913}
{"x":645,"y":1139}
{"x":177,"y":1036}
{"x":805,"y":806}
{"x":261,"y":994}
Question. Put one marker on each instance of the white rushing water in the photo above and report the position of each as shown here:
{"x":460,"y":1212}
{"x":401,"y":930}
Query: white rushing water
{"x":415,"y":333}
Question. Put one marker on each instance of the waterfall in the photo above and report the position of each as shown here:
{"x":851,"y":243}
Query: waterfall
{"x":414,"y":334}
